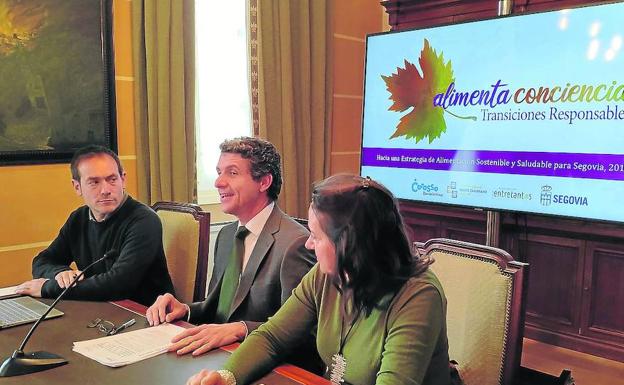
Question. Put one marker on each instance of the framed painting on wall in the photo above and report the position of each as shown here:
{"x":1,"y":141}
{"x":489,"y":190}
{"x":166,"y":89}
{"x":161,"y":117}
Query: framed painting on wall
{"x":57,"y":74}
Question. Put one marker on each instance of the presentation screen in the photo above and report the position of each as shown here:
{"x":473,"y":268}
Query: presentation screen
{"x":521,"y":113}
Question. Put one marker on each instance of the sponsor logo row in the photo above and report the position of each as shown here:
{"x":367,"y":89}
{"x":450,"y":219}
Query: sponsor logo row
{"x":546,"y":195}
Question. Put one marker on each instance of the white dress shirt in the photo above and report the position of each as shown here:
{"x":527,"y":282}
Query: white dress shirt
{"x":255,"y":226}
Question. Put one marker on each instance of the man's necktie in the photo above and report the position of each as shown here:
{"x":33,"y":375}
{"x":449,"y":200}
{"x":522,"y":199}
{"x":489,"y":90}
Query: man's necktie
{"x":231,"y":276}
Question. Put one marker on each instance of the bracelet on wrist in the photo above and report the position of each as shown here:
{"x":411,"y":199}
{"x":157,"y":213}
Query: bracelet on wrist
{"x":228,"y":377}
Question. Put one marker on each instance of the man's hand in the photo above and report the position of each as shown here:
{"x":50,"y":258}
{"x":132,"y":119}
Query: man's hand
{"x":64,"y":278}
{"x":165,"y":309}
{"x":206,"y":377}
{"x":203,"y":338}
{"x":32,"y":287}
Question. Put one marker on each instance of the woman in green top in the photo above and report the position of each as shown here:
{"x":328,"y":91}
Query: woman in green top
{"x":380,"y":314}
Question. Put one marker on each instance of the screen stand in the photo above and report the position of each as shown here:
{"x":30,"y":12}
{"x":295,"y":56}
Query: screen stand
{"x":492,"y":228}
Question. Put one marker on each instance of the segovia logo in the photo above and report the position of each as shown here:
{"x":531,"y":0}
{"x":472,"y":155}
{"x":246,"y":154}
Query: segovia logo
{"x":429,"y":188}
{"x":547,"y":198}
{"x":546,"y":195}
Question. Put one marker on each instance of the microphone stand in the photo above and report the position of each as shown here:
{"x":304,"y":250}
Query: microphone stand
{"x":23,"y":363}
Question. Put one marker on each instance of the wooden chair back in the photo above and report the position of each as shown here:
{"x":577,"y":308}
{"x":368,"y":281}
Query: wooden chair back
{"x":485,"y":290}
{"x":186,"y":239}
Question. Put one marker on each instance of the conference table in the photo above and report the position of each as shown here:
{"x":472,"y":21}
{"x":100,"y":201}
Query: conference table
{"x":57,"y":336}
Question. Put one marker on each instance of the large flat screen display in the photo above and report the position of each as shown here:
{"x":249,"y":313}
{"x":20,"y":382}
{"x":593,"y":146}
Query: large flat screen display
{"x":521,"y":113}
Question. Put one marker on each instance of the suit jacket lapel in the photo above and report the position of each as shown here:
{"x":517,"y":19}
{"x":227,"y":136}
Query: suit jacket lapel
{"x":260,"y":251}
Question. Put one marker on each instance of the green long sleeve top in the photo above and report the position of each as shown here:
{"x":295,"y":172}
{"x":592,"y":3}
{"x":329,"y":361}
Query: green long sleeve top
{"x":403,"y":341}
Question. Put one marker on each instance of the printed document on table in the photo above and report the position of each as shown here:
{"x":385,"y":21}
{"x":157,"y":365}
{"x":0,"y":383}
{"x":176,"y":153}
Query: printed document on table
{"x":127,"y":348}
{"x":7,"y":291}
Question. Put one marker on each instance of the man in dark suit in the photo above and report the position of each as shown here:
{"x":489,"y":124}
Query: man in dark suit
{"x":258,"y":260}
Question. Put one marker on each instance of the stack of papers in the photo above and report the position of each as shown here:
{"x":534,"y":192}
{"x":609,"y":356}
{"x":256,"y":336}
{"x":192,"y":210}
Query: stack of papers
{"x":8,"y":291}
{"x":127,"y":348}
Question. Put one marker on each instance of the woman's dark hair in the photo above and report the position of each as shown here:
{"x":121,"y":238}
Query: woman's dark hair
{"x":362,"y":219}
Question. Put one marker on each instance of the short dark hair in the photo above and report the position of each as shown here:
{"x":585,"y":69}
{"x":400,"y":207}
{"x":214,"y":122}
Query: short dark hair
{"x":361,"y":217}
{"x":89,"y":152}
{"x":263,"y":157}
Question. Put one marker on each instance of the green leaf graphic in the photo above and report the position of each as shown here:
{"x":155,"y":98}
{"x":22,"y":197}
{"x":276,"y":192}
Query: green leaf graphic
{"x":408,"y":88}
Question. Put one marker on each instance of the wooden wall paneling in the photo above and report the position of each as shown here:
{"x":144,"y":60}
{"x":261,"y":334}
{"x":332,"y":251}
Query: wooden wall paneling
{"x":514,"y":230}
{"x":601,"y":330}
{"x":554,"y":292}
{"x":425,"y":13}
{"x":464,"y":231}
{"x":551,"y":5}
{"x":421,"y":229}
{"x":562,"y":227}
{"x":603,"y":292}
{"x":406,"y":14}
{"x":454,"y":212}
{"x":425,"y":222}
{"x":509,"y":242}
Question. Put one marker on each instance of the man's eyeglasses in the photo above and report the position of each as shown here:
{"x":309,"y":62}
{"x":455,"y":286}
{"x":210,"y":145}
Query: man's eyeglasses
{"x":109,"y":328}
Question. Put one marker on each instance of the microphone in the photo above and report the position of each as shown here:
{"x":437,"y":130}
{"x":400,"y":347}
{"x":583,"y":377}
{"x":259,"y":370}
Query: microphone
{"x":23,"y":363}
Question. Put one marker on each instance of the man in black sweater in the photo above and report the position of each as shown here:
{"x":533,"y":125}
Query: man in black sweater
{"x":110,"y":221}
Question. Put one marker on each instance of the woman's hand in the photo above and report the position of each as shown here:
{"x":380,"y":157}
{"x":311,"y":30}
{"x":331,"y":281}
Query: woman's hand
{"x":206,"y":377}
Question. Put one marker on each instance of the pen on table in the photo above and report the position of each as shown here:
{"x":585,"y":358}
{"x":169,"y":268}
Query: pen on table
{"x":123,"y":326}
